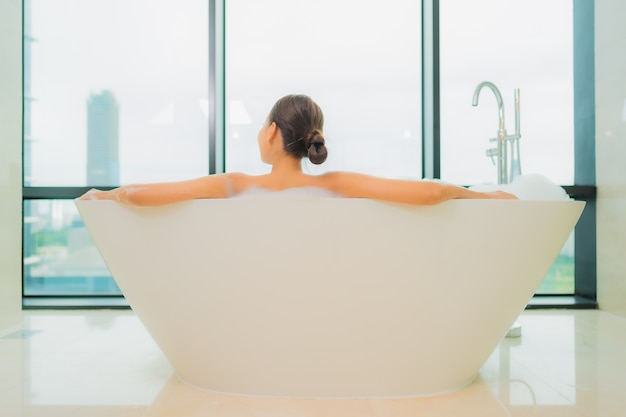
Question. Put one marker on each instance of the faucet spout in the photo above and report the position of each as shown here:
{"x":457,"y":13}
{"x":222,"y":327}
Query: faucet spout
{"x":501,"y":139}
{"x":496,"y":92}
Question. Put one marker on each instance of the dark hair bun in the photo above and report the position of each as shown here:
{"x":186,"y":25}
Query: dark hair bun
{"x":315,"y":145}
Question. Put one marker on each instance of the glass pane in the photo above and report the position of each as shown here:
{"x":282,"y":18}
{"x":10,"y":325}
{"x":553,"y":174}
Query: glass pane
{"x":360,"y":61}
{"x":116,"y":91}
{"x":560,"y":278}
{"x":59,"y":256}
{"x":514,"y":44}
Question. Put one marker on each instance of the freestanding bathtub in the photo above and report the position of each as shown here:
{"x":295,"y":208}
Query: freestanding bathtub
{"x":329,"y":297}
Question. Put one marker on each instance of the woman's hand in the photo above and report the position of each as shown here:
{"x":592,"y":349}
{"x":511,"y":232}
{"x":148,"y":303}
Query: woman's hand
{"x":95,"y":194}
{"x":502,"y":195}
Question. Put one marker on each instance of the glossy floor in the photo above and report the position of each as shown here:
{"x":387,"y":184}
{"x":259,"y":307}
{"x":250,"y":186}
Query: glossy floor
{"x":103,"y":363}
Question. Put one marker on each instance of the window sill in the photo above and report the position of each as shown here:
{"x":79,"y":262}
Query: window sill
{"x":561,"y":301}
{"x":74,"y":303}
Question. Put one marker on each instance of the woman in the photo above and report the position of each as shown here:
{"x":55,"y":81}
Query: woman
{"x":292,"y":131}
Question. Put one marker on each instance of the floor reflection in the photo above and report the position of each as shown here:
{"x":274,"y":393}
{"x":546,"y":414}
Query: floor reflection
{"x":176,"y":398}
{"x":103,"y":363}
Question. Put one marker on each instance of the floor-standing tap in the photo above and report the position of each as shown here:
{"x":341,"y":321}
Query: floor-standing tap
{"x":501,"y":151}
{"x":502,"y":168}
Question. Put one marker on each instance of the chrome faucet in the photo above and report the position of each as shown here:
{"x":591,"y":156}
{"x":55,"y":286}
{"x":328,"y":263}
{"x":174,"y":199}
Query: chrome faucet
{"x":516,"y":165}
{"x":500,"y":152}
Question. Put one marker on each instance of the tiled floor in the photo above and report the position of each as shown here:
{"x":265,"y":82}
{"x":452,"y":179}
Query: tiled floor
{"x":103,"y":363}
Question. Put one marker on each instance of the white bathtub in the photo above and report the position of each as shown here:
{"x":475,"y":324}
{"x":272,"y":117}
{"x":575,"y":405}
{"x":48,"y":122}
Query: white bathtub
{"x":328,"y":297}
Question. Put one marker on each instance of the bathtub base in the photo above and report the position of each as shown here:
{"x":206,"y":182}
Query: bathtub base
{"x":361,"y":397}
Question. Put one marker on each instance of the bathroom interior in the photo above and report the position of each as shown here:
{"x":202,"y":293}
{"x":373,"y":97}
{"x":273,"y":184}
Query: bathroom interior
{"x":474,"y":93}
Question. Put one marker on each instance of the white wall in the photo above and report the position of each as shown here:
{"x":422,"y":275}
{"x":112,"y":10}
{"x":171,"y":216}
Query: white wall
{"x":610,"y":49}
{"x":10,"y":162}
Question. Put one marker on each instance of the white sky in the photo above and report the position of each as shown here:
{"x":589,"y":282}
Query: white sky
{"x":359,"y":60}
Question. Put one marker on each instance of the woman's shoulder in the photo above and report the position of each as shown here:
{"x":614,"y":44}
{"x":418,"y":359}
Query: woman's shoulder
{"x":239,"y":181}
{"x":339,"y":179}
{"x":335,"y":181}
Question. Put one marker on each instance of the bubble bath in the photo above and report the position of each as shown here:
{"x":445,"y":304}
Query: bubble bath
{"x":534,"y":187}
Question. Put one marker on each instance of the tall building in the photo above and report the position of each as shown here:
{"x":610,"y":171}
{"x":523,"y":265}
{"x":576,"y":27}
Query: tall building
{"x":103,"y":139}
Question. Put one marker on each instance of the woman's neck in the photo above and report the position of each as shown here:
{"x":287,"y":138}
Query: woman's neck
{"x":286,"y":165}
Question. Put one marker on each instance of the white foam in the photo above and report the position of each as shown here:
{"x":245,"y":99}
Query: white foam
{"x":259,"y":192}
{"x":529,"y":187}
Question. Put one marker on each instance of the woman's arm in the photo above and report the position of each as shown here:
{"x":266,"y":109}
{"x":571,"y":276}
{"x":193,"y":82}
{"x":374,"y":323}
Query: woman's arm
{"x":158,"y":194}
{"x":403,"y":191}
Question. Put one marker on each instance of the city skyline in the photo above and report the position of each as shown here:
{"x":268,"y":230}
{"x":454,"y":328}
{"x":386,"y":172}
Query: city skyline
{"x":103,"y":135}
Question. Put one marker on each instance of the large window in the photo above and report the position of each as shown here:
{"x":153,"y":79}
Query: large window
{"x":526,"y":45}
{"x":118,"y":92}
{"x":115,"y":92}
{"x":360,"y":61}
{"x":61,"y":259}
